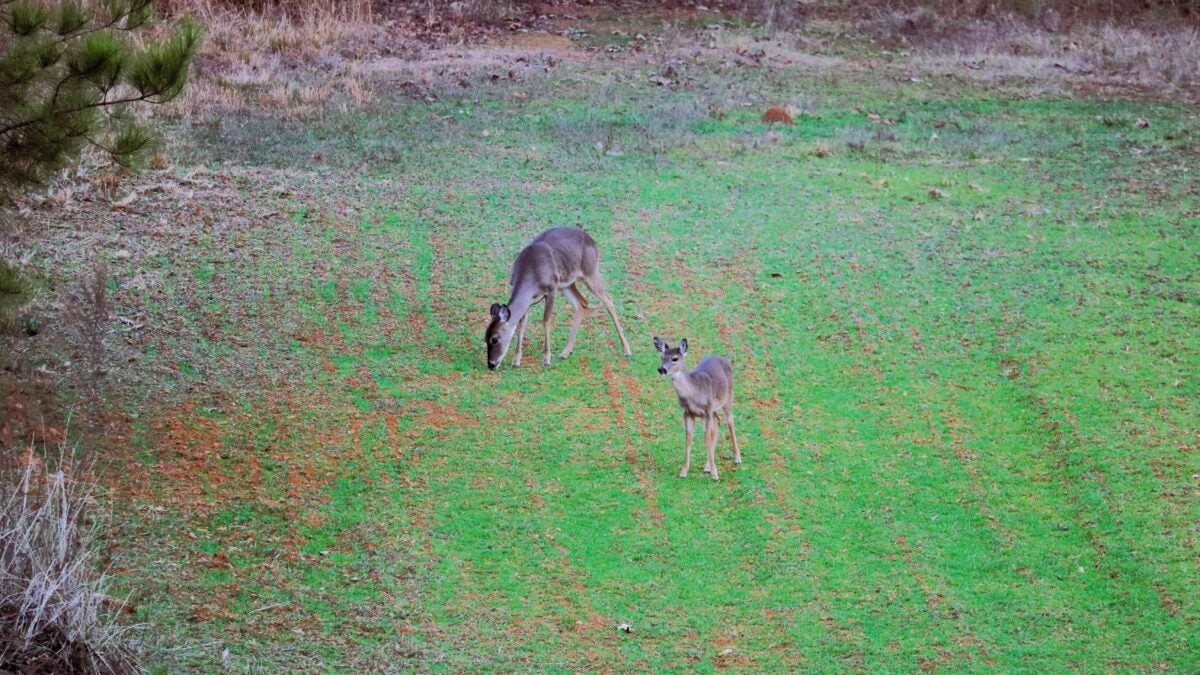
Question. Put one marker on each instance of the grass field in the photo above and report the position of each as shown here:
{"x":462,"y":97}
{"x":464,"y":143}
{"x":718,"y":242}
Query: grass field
{"x":963,"y":316}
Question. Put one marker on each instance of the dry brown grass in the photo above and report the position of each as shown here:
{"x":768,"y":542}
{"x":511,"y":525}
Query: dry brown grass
{"x":1146,"y":50}
{"x":293,"y":29}
{"x":254,"y":54}
{"x":54,"y":613}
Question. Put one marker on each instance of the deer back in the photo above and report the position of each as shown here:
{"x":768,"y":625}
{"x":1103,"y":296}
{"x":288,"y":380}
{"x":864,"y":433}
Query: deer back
{"x":557,"y":257}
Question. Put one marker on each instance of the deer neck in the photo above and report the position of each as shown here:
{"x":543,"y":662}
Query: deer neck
{"x":522,"y":298}
{"x":683,"y":384}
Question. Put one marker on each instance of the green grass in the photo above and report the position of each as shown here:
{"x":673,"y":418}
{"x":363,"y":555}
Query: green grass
{"x":968,"y":416}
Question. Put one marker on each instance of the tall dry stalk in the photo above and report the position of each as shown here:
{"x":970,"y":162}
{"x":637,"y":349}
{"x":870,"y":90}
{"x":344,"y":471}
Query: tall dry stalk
{"x":54,"y":613}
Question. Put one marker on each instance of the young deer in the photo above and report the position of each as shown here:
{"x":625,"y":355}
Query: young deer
{"x":552,"y":262}
{"x":706,"y":392}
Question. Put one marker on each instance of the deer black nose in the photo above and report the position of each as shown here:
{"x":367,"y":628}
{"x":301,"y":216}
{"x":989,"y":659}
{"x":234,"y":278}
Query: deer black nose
{"x":491,"y":366}
{"x":662,"y":370}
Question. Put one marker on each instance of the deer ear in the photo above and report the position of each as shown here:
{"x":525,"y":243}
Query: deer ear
{"x":659,"y":344}
{"x":495,"y":311}
{"x":683,"y":346}
{"x":505,"y":314}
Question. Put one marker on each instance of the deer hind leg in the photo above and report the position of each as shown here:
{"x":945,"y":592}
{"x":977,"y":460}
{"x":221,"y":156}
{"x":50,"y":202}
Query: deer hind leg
{"x":710,"y":464}
{"x":710,"y":441}
{"x":596,"y":283}
{"x":546,"y":325}
{"x":580,"y":305}
{"x":737,"y":450}
{"x":689,"y":430}
{"x":520,"y":341}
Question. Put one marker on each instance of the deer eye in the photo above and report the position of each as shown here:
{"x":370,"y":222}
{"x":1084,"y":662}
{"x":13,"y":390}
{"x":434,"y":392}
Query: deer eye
{"x":674,"y":358}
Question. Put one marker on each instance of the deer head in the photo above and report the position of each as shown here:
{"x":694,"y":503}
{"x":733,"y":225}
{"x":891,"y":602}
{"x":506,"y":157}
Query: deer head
{"x":672,"y":357}
{"x":499,"y":334}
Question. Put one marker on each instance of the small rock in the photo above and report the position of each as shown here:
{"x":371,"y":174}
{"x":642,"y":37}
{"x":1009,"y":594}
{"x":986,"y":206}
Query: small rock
{"x":624,"y":628}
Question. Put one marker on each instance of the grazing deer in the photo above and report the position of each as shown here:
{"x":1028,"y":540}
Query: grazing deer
{"x":705,"y":392}
{"x":552,"y":262}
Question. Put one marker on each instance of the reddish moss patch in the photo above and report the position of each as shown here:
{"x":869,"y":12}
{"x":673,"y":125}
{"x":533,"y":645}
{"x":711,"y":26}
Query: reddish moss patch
{"x":190,"y":448}
{"x":777,"y":115}
{"x":441,"y":417}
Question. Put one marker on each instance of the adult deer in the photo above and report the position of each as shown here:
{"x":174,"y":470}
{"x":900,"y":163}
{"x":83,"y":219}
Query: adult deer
{"x":554,"y":261}
{"x":705,"y":392}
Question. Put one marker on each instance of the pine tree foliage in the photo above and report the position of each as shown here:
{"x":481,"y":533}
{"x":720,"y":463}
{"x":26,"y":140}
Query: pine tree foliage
{"x":70,"y":72}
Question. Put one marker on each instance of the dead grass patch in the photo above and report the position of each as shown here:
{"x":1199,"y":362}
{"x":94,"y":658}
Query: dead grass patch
{"x":287,"y":58}
{"x":297,"y":30}
{"x":1142,"y":51}
{"x":54,"y":613}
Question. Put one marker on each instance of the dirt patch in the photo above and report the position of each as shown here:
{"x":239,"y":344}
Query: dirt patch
{"x":522,"y":44}
{"x":318,"y":337}
{"x":190,"y":449}
{"x":26,"y":417}
{"x":636,"y":250}
{"x":842,"y":632}
{"x":640,"y":464}
{"x":441,"y":417}
{"x":276,"y":455}
{"x":640,"y":417}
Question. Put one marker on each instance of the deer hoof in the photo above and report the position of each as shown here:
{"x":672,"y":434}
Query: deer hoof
{"x":737,"y":460}
{"x":564,"y":355}
{"x":715,"y":476}
{"x":683,"y":474}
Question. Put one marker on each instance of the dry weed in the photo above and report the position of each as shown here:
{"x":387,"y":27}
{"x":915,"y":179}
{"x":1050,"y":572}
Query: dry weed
{"x":478,"y":12}
{"x":358,"y":90}
{"x":54,"y":613}
{"x":1137,"y":50}
{"x":255,"y":53}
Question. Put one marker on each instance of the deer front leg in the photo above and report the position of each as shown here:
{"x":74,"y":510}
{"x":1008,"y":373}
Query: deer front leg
{"x":546,"y":325}
{"x":689,"y":430}
{"x":710,"y":440}
{"x":520,"y":341}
